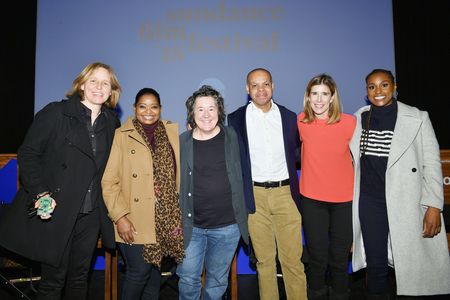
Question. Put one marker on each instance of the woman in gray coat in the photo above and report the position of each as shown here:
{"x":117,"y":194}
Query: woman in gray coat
{"x":212,"y":202}
{"x":398,"y":199}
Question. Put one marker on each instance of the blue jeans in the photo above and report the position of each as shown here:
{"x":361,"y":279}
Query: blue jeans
{"x":142,"y":280}
{"x":213,"y":248}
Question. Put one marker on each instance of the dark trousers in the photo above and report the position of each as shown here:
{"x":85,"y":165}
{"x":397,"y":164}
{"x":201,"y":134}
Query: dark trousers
{"x":142,"y":280}
{"x":375,"y":230}
{"x":69,"y":280}
{"x":328,"y":232}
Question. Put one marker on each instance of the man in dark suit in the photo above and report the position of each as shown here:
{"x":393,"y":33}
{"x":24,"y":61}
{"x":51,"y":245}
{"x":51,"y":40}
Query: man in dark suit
{"x":269,"y":142}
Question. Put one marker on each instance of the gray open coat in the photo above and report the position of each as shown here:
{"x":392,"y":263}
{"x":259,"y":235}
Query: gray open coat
{"x":234,"y":172}
{"x":413,"y":182}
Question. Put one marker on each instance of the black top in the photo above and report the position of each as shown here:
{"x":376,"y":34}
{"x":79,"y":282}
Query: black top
{"x":212,"y":190}
{"x":375,"y":147}
{"x":97,"y":139}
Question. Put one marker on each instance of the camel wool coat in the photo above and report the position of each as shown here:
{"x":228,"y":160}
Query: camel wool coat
{"x":413,"y":182}
{"x":128,"y":180}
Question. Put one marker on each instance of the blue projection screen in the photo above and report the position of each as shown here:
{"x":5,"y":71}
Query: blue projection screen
{"x":177,"y":46}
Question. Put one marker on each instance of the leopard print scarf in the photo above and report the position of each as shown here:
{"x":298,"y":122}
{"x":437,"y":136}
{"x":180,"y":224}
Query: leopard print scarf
{"x":169,"y":239}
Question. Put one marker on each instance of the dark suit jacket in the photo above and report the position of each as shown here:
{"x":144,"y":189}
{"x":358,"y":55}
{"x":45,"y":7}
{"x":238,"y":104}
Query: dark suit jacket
{"x":55,"y":156}
{"x":237,"y":120}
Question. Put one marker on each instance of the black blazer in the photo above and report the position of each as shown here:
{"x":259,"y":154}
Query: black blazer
{"x":237,"y":120}
{"x":55,"y":156}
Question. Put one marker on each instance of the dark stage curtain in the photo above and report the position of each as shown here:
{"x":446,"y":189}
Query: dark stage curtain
{"x":422,"y":59}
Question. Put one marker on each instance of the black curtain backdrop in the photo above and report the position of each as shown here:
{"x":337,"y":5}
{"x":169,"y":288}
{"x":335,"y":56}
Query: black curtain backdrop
{"x":18,"y":36}
{"x":422,"y":58}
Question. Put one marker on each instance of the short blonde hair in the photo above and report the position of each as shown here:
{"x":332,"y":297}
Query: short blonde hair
{"x":334,"y":113}
{"x":83,"y":77}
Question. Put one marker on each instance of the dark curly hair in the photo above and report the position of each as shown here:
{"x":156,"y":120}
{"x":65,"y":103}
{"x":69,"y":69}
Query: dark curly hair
{"x":204,"y":91}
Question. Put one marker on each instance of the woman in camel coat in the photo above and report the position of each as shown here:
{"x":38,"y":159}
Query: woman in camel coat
{"x":141,"y":188}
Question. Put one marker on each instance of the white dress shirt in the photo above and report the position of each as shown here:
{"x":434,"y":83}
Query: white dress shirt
{"x":266,"y":144}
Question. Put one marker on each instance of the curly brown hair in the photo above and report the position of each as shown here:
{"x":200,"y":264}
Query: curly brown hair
{"x":204,"y":91}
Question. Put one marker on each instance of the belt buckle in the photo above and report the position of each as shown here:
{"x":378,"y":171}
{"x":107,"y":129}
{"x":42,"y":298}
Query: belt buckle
{"x":269,"y":184}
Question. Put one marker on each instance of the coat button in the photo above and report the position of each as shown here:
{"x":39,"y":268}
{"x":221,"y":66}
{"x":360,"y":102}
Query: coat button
{"x":414,"y":170}
{"x":57,"y":190}
{"x":133,"y":151}
{"x":136,"y":199}
{"x":134,"y":175}
{"x":190,"y":173}
{"x":189,"y":194}
{"x":189,"y":215}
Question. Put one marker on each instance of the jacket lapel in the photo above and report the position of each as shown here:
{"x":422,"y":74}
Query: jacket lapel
{"x":78,"y":136}
{"x":132,"y":132}
{"x":189,"y":146}
{"x":137,"y":137}
{"x":406,"y":129}
{"x":242,"y":126}
{"x":110,"y":128}
{"x":285,"y":129}
{"x":172,"y":134}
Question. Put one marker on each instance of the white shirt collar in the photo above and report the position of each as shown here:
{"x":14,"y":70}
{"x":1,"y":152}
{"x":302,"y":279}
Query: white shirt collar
{"x":254,"y":108}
